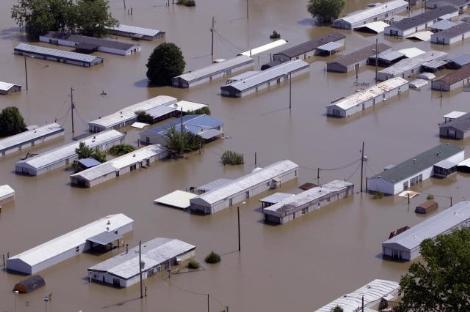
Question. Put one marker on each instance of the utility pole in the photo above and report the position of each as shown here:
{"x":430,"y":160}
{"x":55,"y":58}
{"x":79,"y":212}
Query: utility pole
{"x":256,"y":159}
{"x":26,"y":72}
{"x":318,"y":176}
{"x":208,"y":303}
{"x":362,"y":164}
{"x":290,"y":91}
{"x":362,"y":303}
{"x":181,"y":130}
{"x":376,"y":59}
{"x":124,"y":2}
{"x":247,"y":9}
{"x":140,"y":270}
{"x":212,"y":38}
{"x":239,"y":235}
{"x":72,"y":108}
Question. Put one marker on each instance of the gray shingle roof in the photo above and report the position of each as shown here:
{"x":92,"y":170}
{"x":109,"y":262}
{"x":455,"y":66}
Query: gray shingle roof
{"x":418,"y":163}
{"x":360,"y":55}
{"x":311,"y":45}
{"x":422,"y":18}
{"x":452,"y":32}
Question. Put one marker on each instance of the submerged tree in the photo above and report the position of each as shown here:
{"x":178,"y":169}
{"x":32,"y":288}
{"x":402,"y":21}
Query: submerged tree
{"x":325,"y":10}
{"x":180,"y":142}
{"x":37,"y":17}
{"x":11,"y":121}
{"x":440,"y":282}
{"x":84,"y":151}
{"x":165,"y":62}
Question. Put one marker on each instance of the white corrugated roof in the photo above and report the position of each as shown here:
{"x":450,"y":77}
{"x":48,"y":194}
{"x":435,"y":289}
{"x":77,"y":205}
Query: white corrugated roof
{"x":5,"y":86}
{"x":216,"y":68}
{"x":377,"y":27}
{"x":268,"y":75}
{"x":379,"y":9}
{"x":246,"y":182}
{"x":120,"y":162}
{"x":372,"y":293}
{"x":67,"y":151}
{"x":57,"y":53}
{"x":153,"y":253}
{"x":433,"y":226}
{"x":370,"y":93}
{"x":29,"y":135}
{"x":411,"y":52}
{"x":265,"y":47}
{"x":72,"y":239}
{"x":136,"y":30}
{"x":418,"y":83}
{"x":6,"y":191}
{"x":178,"y":199}
{"x":188,"y":106}
{"x":128,"y":113}
{"x":308,"y":196}
{"x":421,"y":35}
{"x":454,"y":114}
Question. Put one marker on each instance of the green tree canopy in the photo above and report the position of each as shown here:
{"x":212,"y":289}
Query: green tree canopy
{"x":89,"y":17}
{"x":165,"y":62}
{"x":11,"y":122}
{"x":325,"y":10}
{"x":84,"y":151}
{"x":178,"y":143}
{"x":441,"y":281}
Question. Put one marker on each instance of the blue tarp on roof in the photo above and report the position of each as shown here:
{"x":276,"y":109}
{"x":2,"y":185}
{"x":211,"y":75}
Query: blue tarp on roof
{"x":192,"y":123}
{"x":88,"y":162}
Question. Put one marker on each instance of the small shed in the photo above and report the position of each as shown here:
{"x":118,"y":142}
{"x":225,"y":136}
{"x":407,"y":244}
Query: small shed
{"x":87,"y":163}
{"x":7,"y":194}
{"x":30,"y":284}
{"x":427,"y":206}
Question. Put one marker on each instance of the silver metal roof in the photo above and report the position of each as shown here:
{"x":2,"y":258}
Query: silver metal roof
{"x":213,"y":185}
{"x":6,"y":191}
{"x":433,"y":226}
{"x":372,"y":292}
{"x":72,"y":239}
{"x":67,"y":151}
{"x":128,"y":113}
{"x":269,"y":74}
{"x":27,"y":48}
{"x":5,"y":86}
{"x":412,"y":63}
{"x":120,"y":162}
{"x":136,"y":30}
{"x":379,"y":9}
{"x":30,"y":135}
{"x":248,"y":181}
{"x":216,"y":68}
{"x":308,"y":196}
{"x":265,"y":47}
{"x":276,"y":198}
{"x":369,"y":93}
{"x":153,"y":253}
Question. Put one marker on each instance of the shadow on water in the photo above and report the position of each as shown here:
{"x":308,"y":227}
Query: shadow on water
{"x":12,"y":33}
{"x":143,"y":83}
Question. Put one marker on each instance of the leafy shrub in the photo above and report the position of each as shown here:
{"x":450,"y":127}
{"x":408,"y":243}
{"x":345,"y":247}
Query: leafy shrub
{"x":193,"y":265}
{"x":188,"y":3}
{"x":275,"y":35}
{"x":231,"y":158}
{"x":144,"y":117}
{"x":430,"y":197}
{"x":121,"y":149}
{"x":212,"y":258}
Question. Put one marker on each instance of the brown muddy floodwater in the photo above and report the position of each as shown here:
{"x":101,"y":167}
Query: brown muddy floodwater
{"x":295,"y":267}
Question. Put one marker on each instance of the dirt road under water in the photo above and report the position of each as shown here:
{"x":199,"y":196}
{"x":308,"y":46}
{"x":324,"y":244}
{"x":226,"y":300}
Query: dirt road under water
{"x":295,"y":267}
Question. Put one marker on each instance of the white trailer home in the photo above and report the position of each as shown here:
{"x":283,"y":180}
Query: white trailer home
{"x":30,"y":138}
{"x":296,"y":206}
{"x":455,"y":34}
{"x":141,"y":158}
{"x":379,"y":11}
{"x":64,"y":155}
{"x":406,"y":245}
{"x":7,"y":194}
{"x":98,"y":234}
{"x":157,"y":255}
{"x":364,"y":99}
{"x":238,"y":190}
{"x":414,"y":170}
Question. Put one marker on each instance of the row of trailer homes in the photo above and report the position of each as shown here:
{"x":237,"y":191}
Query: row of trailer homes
{"x":100,"y":236}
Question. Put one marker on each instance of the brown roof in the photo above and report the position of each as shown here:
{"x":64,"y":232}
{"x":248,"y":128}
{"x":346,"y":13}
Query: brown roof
{"x":456,"y":76}
{"x":360,"y":55}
